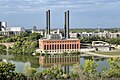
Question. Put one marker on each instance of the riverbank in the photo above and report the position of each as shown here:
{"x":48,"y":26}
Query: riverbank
{"x":102,"y":55}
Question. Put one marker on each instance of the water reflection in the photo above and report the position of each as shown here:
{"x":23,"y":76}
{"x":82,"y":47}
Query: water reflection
{"x":26,"y":58}
{"x":65,"y":61}
{"x":51,"y":60}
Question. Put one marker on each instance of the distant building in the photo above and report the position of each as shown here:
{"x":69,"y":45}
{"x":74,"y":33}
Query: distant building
{"x":5,"y":30}
{"x":100,"y":43}
{"x":101,"y":46}
{"x":104,"y":34}
{"x":114,"y":35}
{"x":17,"y":30}
{"x":34,"y":28}
{"x":3,"y":33}
{"x":73,"y":35}
{"x":38,"y":31}
{"x":85,"y":34}
{"x":3,"y":26}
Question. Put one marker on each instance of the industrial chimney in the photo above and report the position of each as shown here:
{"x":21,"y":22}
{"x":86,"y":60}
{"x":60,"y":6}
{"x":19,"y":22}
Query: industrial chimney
{"x":66,"y":25}
{"x":48,"y":22}
{"x":68,"y":36}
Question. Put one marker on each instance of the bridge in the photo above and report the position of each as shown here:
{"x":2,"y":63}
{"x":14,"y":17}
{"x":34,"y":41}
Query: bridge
{"x":10,"y":44}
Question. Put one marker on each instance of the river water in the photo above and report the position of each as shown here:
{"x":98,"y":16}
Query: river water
{"x":41,"y":63}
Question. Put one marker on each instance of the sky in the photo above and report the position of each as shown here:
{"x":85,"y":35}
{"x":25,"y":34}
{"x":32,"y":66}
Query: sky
{"x":83,"y":13}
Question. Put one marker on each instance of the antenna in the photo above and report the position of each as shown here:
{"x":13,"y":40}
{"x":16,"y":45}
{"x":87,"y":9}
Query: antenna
{"x":98,"y":28}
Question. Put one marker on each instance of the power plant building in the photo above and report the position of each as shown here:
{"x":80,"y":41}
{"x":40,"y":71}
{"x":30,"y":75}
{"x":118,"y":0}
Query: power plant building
{"x":56,"y":43}
{"x":59,"y":45}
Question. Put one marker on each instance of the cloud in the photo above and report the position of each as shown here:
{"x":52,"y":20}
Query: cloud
{"x":29,"y":6}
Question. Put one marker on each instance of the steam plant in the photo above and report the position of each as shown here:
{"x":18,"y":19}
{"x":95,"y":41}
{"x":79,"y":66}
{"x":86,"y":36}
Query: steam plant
{"x":56,"y":43}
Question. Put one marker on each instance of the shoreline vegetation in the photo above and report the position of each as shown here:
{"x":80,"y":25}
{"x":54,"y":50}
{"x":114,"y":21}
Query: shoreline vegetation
{"x":86,"y":72}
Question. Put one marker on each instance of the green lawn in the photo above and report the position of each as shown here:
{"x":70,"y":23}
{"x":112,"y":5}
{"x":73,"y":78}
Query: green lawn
{"x":109,"y":53}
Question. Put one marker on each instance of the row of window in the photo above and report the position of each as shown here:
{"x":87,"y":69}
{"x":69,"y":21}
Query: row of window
{"x":61,"y":60}
{"x":62,"y":50}
{"x":61,"y":41}
{"x":61,"y":46}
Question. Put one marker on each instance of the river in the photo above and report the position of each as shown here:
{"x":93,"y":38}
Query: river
{"x":41,"y":63}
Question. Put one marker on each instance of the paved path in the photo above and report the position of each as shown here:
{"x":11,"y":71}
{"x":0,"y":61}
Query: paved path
{"x":108,"y":56}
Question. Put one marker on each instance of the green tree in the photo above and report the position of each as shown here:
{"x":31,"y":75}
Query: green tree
{"x":54,"y":72}
{"x":29,"y":71}
{"x":7,"y":72}
{"x":114,"y":70}
{"x":2,"y":49}
{"x":90,"y":66}
{"x":77,"y":72}
{"x":35,"y":36}
{"x":90,"y":69}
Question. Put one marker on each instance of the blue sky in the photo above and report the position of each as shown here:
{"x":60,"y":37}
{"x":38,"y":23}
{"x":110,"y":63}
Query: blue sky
{"x":83,"y":13}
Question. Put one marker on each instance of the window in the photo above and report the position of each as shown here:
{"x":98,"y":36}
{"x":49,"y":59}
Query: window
{"x":68,"y":46}
{"x":72,"y":46}
{"x":47,"y":47}
{"x":75,"y":46}
{"x":65,"y":46}
{"x":55,"y":46}
{"x":44,"y":47}
{"x":52,"y":46}
{"x":60,"y":46}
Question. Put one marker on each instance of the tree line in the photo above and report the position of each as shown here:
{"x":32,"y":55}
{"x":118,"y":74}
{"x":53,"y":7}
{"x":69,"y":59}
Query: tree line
{"x":25,"y":43}
{"x":115,"y":41}
{"x":87,"y":72}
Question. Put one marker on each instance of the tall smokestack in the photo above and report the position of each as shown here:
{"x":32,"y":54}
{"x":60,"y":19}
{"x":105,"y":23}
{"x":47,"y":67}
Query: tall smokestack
{"x":68,"y":36}
{"x":48,"y":21}
{"x":65,"y":25}
{"x":0,"y":26}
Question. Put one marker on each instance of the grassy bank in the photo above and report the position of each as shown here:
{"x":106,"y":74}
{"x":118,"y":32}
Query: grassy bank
{"x":110,"y":53}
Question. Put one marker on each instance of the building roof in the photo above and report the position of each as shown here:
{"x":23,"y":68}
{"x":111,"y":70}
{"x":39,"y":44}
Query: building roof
{"x":57,"y":39}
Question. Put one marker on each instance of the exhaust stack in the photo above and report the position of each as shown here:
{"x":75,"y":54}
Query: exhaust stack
{"x":48,"y":22}
{"x":66,"y":25}
{"x":68,"y":36}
